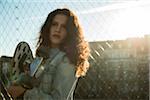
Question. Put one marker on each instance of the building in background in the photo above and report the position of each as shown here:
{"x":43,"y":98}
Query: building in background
{"x":119,"y":69}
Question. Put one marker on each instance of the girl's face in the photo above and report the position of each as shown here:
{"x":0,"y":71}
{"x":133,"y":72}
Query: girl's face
{"x":58,"y":30}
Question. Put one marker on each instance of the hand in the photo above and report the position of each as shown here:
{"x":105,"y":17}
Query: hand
{"x":16,"y":90}
{"x":22,"y":84}
{"x":26,"y":81}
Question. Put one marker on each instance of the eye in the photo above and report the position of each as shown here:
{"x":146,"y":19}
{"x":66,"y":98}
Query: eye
{"x":64,"y":26}
{"x":54,"y":24}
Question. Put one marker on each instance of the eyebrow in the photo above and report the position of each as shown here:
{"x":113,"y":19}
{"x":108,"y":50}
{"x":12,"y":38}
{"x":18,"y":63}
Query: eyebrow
{"x":55,"y":21}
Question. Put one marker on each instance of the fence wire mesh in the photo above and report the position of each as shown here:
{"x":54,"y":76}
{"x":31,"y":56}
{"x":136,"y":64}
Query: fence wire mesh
{"x":119,"y":69}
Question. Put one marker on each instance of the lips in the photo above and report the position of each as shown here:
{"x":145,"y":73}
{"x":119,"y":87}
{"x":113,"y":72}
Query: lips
{"x":56,"y":36}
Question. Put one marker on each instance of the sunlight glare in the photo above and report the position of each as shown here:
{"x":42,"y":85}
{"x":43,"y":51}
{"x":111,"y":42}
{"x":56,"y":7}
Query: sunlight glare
{"x":133,"y":22}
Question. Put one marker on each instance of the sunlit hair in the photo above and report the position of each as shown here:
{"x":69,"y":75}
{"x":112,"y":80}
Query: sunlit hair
{"x":76,"y":48}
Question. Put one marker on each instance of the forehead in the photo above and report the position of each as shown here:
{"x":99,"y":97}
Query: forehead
{"x":62,"y":19}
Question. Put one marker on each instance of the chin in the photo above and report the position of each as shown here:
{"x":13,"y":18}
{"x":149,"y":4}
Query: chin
{"x":55,"y":43}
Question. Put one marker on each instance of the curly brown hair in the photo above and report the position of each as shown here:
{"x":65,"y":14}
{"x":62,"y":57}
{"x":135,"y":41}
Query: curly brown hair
{"x":76,"y":48}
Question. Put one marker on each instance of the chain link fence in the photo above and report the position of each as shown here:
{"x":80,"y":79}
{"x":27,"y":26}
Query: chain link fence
{"x":119,"y":69}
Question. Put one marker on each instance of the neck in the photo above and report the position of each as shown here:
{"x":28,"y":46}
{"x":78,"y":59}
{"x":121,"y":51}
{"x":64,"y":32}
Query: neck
{"x":54,"y":46}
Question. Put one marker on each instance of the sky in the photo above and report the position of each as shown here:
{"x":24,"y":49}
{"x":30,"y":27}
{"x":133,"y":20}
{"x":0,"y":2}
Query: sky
{"x":101,"y":20}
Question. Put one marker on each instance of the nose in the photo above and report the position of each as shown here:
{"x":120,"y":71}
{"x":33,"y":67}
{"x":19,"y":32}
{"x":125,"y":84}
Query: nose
{"x":58,"y":28}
